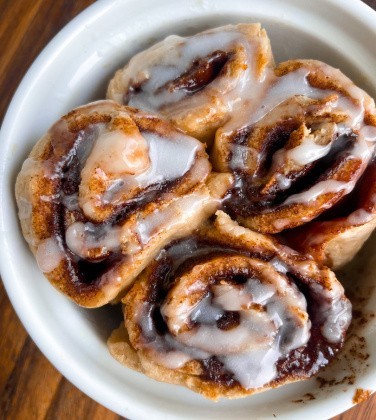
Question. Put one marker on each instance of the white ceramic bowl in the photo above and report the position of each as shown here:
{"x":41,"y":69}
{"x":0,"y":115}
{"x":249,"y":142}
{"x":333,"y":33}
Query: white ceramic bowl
{"x":73,"y":69}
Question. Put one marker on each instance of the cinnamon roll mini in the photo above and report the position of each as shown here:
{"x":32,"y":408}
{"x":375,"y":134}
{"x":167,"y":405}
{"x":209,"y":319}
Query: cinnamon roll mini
{"x":228,"y":312}
{"x":303,"y":156}
{"x":104,"y":190}
{"x":333,"y":240}
{"x":198,"y":81}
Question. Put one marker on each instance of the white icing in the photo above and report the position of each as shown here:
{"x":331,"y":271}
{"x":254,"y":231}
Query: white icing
{"x":276,"y":90}
{"x":307,"y":152}
{"x":180,"y":353}
{"x":335,"y":311}
{"x":232,"y":298}
{"x":283,"y":182}
{"x":274,"y":104}
{"x":116,"y":152}
{"x":53,"y":198}
{"x":115,"y":155}
{"x":71,"y":202}
{"x":174,"y":359}
{"x":82,"y":238}
{"x":276,"y":325}
{"x":170,"y":159}
{"x":279,"y":265}
{"x":112,"y":281}
{"x":368,"y":132}
{"x":283,"y":88}
{"x":204,"y":312}
{"x":258,"y":332}
{"x":150,"y":159}
{"x":360,"y":217}
{"x":171,"y":216}
{"x":362,"y":149}
{"x":254,"y":371}
{"x":49,"y":254}
{"x":241,"y":156}
{"x":168,"y":60}
{"x":323,"y":187}
{"x":338,"y":319}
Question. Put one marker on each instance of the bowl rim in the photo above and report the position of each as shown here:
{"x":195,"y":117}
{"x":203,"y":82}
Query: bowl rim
{"x":41,"y":335}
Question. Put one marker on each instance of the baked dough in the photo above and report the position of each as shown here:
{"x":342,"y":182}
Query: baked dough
{"x":304,"y":154}
{"x":197,"y":82}
{"x":228,"y":312}
{"x":104,"y":190}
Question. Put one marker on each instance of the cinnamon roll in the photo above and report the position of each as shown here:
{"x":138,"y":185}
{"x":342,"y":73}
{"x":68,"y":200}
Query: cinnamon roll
{"x":104,"y":190}
{"x":334,"y":240}
{"x":228,"y":312}
{"x":303,"y":155}
{"x":198,"y":81}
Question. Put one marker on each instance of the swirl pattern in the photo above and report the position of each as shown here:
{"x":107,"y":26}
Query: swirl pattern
{"x":301,"y":152}
{"x":119,"y":204}
{"x":229,"y":312}
{"x":100,"y":195}
{"x":197,"y":81}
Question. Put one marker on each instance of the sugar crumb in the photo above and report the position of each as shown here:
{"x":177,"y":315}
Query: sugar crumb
{"x":361,"y":395}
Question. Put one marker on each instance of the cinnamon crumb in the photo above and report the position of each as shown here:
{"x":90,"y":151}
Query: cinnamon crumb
{"x":306,"y":397}
{"x":361,"y":395}
{"x":349,"y":380}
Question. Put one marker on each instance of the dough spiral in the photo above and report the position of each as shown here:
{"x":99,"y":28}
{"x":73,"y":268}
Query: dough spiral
{"x":100,"y":194}
{"x":198,"y":81}
{"x":303,"y":153}
{"x":229,"y":312}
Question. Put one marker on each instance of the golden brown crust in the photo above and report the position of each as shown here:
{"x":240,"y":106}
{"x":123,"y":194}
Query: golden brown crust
{"x":49,"y":178}
{"x":189,"y":287}
{"x":335,"y":242}
{"x":121,"y":349}
{"x":200,"y":113}
{"x":279,"y":187}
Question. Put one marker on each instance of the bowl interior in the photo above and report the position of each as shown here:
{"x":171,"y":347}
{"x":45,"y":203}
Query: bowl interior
{"x":75,"y":69}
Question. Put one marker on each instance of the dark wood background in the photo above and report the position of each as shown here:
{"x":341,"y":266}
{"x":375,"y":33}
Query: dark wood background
{"x":30,"y":387}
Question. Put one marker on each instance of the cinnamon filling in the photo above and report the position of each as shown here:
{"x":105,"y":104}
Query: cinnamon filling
{"x":247,"y":198}
{"x":361,"y":197}
{"x":70,"y":148}
{"x":202,"y":72}
{"x":178,"y":259}
{"x":89,"y":270}
{"x":229,"y":320}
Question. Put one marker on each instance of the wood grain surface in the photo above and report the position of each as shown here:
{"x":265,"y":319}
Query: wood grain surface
{"x":30,"y":387}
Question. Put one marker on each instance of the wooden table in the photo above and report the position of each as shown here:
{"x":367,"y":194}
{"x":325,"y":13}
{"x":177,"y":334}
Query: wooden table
{"x":30,"y":387}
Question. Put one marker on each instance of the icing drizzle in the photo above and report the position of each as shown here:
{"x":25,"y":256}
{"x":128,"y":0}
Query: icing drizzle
{"x":112,"y":189}
{"x":160,"y":79}
{"x":250,"y":319}
{"x":318,"y":132}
